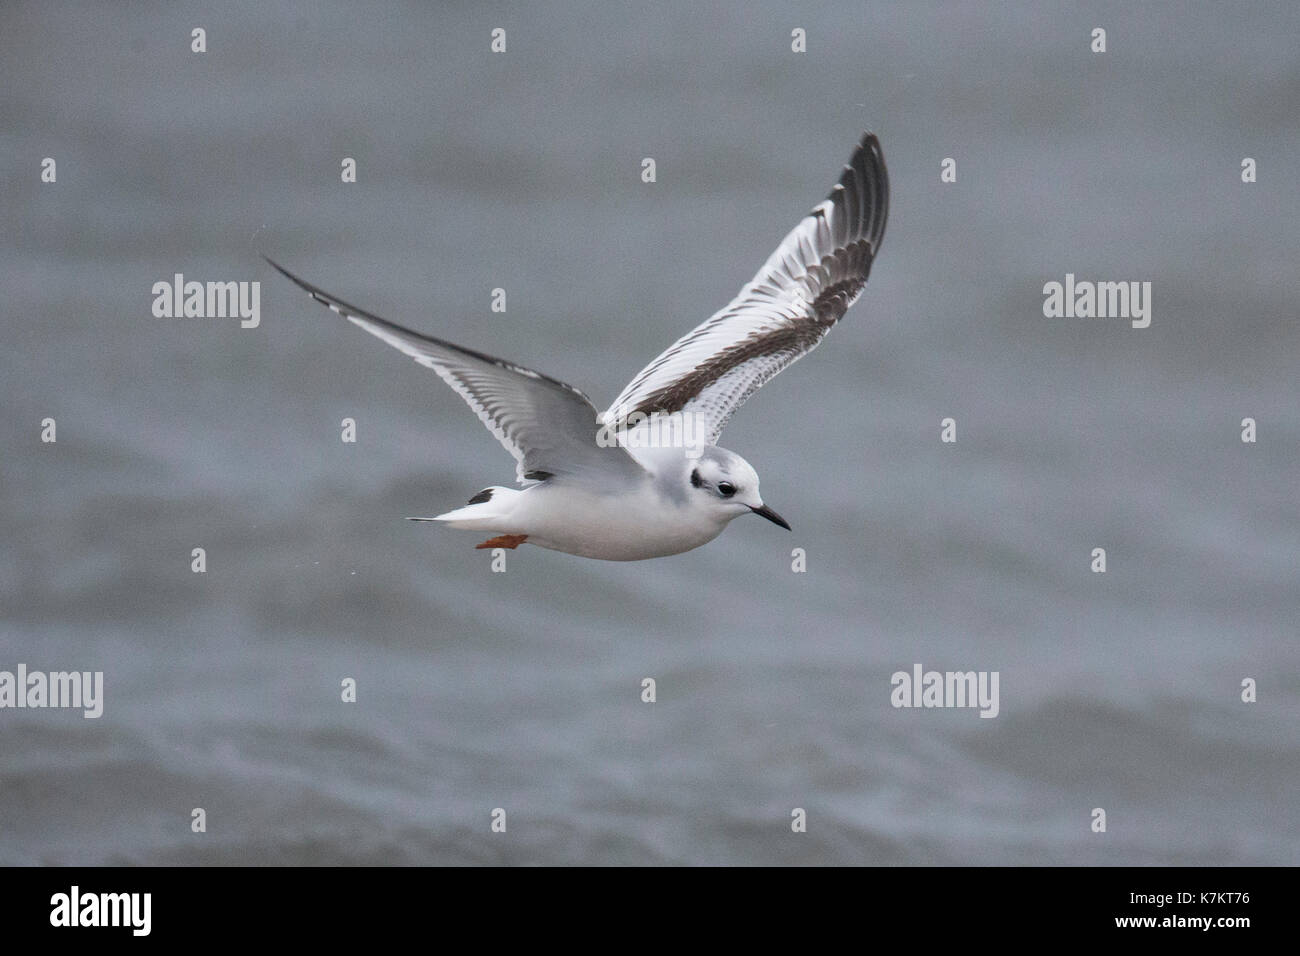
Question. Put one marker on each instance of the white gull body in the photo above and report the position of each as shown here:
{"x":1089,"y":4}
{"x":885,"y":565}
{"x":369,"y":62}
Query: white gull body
{"x":646,"y":516}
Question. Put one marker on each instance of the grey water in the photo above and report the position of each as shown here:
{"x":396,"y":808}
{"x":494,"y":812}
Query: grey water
{"x":522,"y":690}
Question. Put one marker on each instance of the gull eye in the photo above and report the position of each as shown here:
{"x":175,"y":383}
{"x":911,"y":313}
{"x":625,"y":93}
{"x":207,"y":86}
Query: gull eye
{"x":726,"y":489}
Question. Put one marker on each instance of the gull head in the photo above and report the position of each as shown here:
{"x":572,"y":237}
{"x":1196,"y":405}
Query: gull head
{"x":726,"y":486}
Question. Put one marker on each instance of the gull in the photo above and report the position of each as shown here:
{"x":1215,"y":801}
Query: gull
{"x":616,"y":486}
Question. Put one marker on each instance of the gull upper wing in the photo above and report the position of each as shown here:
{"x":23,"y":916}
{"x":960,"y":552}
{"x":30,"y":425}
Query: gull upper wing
{"x":549,"y":427}
{"x":812,"y":278}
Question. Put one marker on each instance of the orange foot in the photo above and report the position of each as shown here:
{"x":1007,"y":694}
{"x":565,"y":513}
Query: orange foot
{"x":510,"y":541}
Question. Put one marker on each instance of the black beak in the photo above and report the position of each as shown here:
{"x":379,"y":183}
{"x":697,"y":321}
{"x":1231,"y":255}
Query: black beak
{"x":771,"y":516}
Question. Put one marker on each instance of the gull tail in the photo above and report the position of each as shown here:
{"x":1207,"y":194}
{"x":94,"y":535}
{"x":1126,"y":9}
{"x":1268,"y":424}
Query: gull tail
{"x":489,"y":510}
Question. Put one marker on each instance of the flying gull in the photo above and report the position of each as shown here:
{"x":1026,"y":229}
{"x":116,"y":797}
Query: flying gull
{"x":645,"y":478}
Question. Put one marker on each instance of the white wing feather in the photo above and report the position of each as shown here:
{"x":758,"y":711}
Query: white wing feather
{"x":803,"y":289}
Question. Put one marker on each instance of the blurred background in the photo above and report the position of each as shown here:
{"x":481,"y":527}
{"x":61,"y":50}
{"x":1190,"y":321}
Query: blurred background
{"x":521,"y":690}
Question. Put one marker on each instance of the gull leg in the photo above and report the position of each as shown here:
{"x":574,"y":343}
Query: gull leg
{"x":510,"y":541}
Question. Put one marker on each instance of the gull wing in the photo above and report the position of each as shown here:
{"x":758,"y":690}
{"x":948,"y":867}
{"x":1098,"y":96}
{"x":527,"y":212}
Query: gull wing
{"x":549,"y":427}
{"x":782,"y":314}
